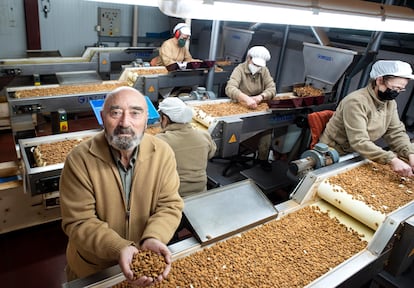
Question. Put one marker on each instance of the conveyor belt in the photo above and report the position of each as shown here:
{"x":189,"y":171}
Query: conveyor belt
{"x":368,"y":193}
{"x":348,"y":204}
{"x":313,"y":192}
{"x":229,"y":128}
{"x":40,"y":180}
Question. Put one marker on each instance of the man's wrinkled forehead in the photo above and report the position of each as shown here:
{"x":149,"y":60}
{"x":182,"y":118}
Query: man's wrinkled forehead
{"x":126,"y":100}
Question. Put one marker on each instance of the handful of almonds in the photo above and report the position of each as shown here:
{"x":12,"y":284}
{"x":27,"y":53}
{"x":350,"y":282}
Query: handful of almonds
{"x":147,"y":263}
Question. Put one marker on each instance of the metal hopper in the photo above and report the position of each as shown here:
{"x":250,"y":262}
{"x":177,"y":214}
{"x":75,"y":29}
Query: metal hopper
{"x":325,"y":65}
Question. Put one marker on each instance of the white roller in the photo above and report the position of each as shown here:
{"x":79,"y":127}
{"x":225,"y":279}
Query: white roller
{"x":358,"y":209}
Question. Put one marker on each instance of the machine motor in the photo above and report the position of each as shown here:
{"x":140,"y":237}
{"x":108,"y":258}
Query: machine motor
{"x":199,"y":94}
{"x":202,"y":94}
{"x":320,"y":156}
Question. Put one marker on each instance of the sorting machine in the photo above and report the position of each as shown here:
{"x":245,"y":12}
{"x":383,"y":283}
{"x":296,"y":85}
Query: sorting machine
{"x":102,"y":61}
{"x":97,"y":65}
{"x":253,"y":208}
{"x":225,"y":212}
{"x":229,"y":131}
{"x":41,"y":183}
{"x":324,"y":67}
{"x":24,"y":111}
{"x":44,"y":180}
{"x":148,"y":80}
{"x":162,"y":84}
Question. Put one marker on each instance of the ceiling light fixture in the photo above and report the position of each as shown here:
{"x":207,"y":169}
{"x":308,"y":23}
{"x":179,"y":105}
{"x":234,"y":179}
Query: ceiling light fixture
{"x":151,"y":3}
{"x":350,"y":14}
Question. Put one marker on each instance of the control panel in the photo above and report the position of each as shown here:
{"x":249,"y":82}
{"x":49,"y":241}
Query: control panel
{"x":109,"y":22}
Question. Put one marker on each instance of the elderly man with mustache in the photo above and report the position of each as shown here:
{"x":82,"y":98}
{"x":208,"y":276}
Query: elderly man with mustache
{"x":119,"y":193}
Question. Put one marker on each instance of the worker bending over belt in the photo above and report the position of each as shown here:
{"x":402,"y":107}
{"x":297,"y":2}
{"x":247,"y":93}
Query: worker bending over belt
{"x":250,"y":84}
{"x":370,"y":113}
{"x":192,"y":147}
{"x":174,"y":49}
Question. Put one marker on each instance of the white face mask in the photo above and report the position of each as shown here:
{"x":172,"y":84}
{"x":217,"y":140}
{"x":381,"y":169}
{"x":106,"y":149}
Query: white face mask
{"x":253,"y":68}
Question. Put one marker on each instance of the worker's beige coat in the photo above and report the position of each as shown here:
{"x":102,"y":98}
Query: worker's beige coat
{"x":193,"y":148}
{"x":95,"y":215}
{"x":171,"y":53}
{"x":242,"y":80}
{"x":361,"y":119}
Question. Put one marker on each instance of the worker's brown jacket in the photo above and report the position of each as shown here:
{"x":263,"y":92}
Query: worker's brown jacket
{"x":361,"y":119}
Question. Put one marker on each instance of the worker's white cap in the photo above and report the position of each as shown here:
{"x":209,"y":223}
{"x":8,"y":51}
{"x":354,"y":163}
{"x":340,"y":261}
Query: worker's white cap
{"x":184,"y":29}
{"x":176,"y":110}
{"x":260,"y":55}
{"x":391,"y":67}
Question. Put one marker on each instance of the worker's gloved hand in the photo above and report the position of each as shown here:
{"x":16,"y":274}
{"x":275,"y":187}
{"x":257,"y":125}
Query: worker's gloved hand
{"x":182,"y":65}
{"x":401,"y":168}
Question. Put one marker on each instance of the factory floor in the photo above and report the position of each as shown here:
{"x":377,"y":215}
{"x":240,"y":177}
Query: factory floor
{"x":33,"y":257}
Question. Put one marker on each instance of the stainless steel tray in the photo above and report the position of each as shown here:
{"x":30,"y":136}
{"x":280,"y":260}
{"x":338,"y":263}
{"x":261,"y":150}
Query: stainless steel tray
{"x":227,"y":210}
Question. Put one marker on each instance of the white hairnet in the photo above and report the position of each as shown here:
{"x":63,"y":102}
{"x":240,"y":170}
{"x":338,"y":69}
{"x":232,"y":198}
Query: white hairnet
{"x":391,"y":67}
{"x":176,"y":110}
{"x":184,"y":29}
{"x":260,"y":55}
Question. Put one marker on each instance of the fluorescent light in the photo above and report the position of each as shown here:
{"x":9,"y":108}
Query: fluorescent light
{"x":350,"y":14}
{"x":151,"y":3}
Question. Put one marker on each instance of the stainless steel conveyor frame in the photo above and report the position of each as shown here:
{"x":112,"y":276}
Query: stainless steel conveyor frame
{"x":350,"y":273}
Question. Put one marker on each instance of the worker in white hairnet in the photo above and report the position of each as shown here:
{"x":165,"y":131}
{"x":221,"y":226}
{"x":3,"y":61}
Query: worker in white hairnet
{"x":250,"y":84}
{"x":370,"y":113}
{"x":175,"y":50}
{"x":192,"y":147}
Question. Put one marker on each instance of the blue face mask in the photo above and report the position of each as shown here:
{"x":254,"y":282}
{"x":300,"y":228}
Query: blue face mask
{"x":181,"y":42}
{"x":388,"y":94}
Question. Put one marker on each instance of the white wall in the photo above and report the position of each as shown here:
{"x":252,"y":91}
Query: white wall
{"x":12,"y":29}
{"x":69,"y":26}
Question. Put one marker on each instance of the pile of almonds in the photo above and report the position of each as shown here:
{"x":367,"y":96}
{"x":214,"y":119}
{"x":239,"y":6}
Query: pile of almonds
{"x":69,"y":89}
{"x":228,"y":108}
{"x":376,"y":185}
{"x":297,"y":249}
{"x":307,"y":90}
{"x":289,"y":252}
{"x":147,"y":263}
{"x":54,"y":153}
